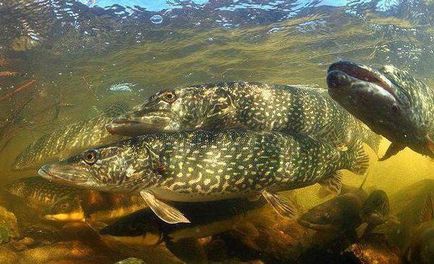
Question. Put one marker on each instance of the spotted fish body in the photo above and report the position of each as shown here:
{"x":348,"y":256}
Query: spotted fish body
{"x":54,"y":201}
{"x":66,"y":141}
{"x":206,"y":165}
{"x":255,"y":106}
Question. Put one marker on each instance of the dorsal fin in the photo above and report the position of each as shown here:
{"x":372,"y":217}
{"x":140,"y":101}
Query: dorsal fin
{"x":427,"y":213}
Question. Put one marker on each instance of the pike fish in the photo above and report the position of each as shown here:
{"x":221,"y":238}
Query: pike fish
{"x":390,"y":101}
{"x":208,"y":165}
{"x":52,"y":201}
{"x":59,"y":202}
{"x":249,"y":105}
{"x":347,"y":211}
{"x":71,"y":139}
{"x":208,"y":218}
{"x":143,"y":228}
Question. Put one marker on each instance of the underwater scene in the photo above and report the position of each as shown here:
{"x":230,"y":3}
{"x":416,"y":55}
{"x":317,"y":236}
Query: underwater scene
{"x":216,"y":131}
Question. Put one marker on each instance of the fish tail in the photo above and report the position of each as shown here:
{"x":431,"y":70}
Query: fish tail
{"x":357,"y":158}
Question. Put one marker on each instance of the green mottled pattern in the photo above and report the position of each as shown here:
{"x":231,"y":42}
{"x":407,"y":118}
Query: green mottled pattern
{"x":38,"y":192}
{"x":65,"y":141}
{"x":421,"y":98}
{"x":206,"y":165}
{"x":257,"y":106}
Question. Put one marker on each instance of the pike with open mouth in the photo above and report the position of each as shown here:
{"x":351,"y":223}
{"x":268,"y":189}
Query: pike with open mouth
{"x":390,"y":101}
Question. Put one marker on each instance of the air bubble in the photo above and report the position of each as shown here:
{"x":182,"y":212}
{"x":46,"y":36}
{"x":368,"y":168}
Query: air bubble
{"x":156,"y":19}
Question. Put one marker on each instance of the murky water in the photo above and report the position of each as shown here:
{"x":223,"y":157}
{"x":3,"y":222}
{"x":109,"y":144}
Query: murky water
{"x":63,"y":62}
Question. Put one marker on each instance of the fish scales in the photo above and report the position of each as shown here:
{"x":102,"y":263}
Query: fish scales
{"x":40,"y":189}
{"x":65,"y":141}
{"x":256,"y":106}
{"x":192,"y":166}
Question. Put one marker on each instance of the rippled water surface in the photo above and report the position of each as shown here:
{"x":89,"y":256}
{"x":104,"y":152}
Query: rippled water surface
{"x":67,"y":61}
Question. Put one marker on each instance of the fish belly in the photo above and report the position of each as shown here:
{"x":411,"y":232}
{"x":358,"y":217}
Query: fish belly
{"x":169,"y":195}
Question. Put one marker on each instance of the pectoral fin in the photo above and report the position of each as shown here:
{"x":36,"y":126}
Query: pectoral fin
{"x":164,"y":211}
{"x":283,"y":206}
{"x":331,"y":185}
{"x":393,"y":149}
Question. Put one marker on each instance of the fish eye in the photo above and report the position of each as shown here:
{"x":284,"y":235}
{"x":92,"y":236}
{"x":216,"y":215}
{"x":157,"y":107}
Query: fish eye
{"x":168,"y":96}
{"x":90,"y":156}
{"x":395,"y":108}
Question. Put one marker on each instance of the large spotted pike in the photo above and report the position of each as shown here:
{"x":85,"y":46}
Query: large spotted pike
{"x":254,"y":106}
{"x":208,"y":165}
{"x":65,"y":141}
{"x":390,"y":101}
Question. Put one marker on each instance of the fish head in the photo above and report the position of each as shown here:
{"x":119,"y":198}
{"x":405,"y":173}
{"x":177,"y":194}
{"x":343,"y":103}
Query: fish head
{"x":181,"y":109}
{"x":332,"y":215}
{"x":114,"y":168}
{"x":66,"y":209}
{"x":376,"y":208}
{"x":386,"y":100}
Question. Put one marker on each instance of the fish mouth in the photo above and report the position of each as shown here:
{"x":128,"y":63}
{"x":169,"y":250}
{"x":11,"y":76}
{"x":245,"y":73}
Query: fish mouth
{"x":144,"y":123}
{"x":63,"y":174}
{"x":344,"y":75}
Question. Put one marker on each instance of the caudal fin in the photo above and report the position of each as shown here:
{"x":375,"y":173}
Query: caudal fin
{"x":357,"y":158}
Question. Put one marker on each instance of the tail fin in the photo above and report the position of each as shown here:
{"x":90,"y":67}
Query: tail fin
{"x":357,"y":158}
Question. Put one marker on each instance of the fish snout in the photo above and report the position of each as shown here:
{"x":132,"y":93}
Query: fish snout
{"x":152,"y":122}
{"x":338,"y":80}
{"x":62,"y":173}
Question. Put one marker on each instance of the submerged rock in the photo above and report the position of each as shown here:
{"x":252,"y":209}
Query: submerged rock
{"x":374,"y":251}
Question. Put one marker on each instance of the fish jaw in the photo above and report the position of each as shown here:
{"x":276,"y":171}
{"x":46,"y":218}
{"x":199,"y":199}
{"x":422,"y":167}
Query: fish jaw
{"x":135,"y":123}
{"x":364,"y":73}
{"x":65,"y":174}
